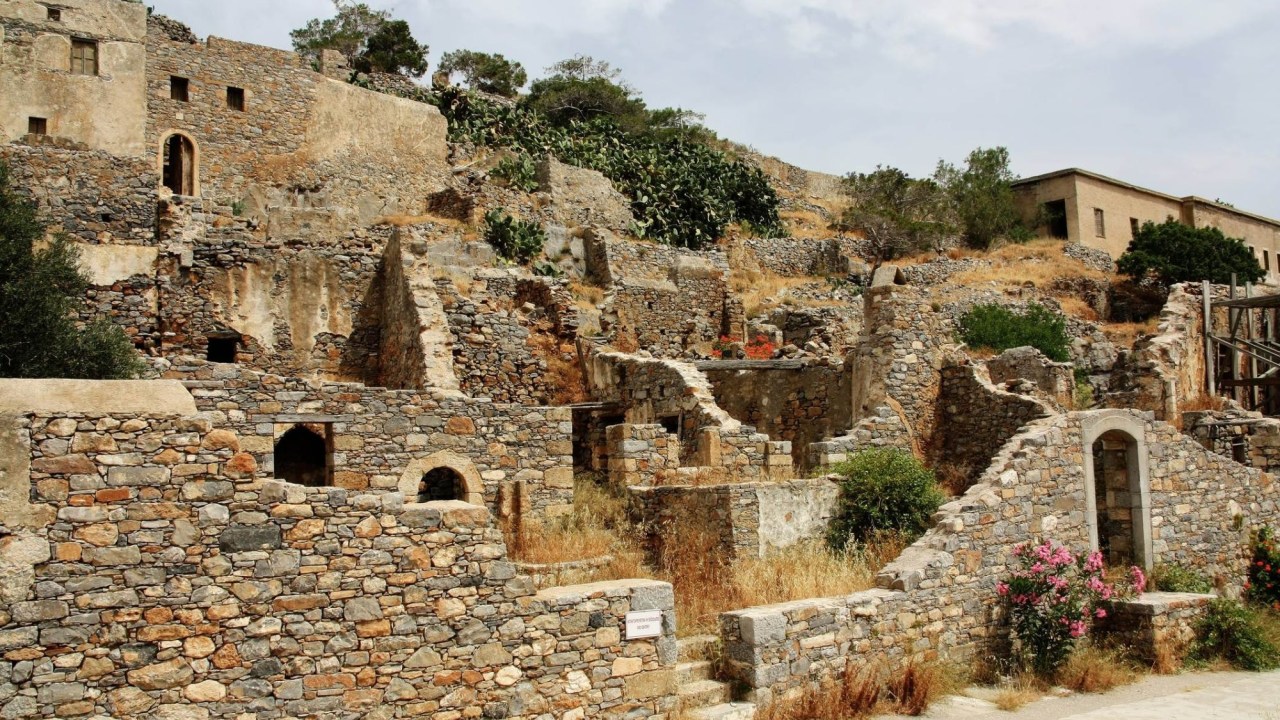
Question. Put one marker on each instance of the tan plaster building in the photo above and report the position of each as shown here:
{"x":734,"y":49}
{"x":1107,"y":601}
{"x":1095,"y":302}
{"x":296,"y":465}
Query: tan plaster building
{"x":1104,"y":213}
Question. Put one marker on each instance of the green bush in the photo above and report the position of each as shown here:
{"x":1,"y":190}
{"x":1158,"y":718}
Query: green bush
{"x":515,"y":240}
{"x":1168,"y":577}
{"x":1232,"y":632}
{"x":1263,"y":586}
{"x":1175,"y":253}
{"x":41,"y":288}
{"x":999,"y":328}
{"x":882,"y":490}
{"x":520,"y":172}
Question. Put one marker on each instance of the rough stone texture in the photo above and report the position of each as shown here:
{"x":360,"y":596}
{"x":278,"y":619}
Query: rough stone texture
{"x":802,"y":405}
{"x":1095,"y":258}
{"x":414,"y":349}
{"x":883,"y":427}
{"x":978,"y":418}
{"x":583,"y":197}
{"x":939,"y":270}
{"x":286,"y":607}
{"x":1167,"y":368}
{"x":1156,"y":623}
{"x":789,"y":257}
{"x":836,"y":329}
{"x":1054,"y":380}
{"x":938,"y":598}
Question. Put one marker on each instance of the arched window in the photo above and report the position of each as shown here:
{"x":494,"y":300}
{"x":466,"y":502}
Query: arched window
{"x":302,"y":457}
{"x":441,"y":483}
{"x":179,"y":165}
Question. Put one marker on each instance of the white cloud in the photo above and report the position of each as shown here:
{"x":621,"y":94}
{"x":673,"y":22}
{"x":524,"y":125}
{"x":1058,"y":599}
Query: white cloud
{"x":562,"y":17}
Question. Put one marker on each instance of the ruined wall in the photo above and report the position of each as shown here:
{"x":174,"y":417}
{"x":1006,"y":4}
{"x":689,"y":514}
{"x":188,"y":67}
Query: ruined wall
{"x":790,"y":257}
{"x":644,"y":455}
{"x":582,"y":197}
{"x":939,"y":596}
{"x":1054,"y":380}
{"x":1167,"y":369}
{"x":169,"y":584}
{"x":978,"y":418}
{"x":836,"y":328}
{"x":105,"y":110}
{"x":303,"y":143}
{"x":801,"y":402}
{"x":692,"y":307}
{"x":386,"y":439}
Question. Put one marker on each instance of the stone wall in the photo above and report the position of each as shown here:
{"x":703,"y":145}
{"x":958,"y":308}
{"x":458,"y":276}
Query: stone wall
{"x":1156,"y":626}
{"x":613,"y":259}
{"x":978,"y":418}
{"x":790,"y":257}
{"x":938,"y":598}
{"x":883,"y":427}
{"x":1055,"y":381}
{"x":385,"y":440}
{"x":170,"y":584}
{"x":1095,"y":258}
{"x":744,"y":520}
{"x":802,"y":402}
{"x":1168,"y":368}
{"x":939,"y":270}
{"x":667,"y":318}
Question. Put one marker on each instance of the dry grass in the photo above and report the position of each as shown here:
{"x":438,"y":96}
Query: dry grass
{"x":1216,"y":403}
{"x":763,"y":290}
{"x":594,"y":528}
{"x":1077,"y":307}
{"x":1095,"y":669}
{"x":867,"y":691}
{"x":1126,"y":334}
{"x":694,"y":477}
{"x":1019,"y":691}
{"x":1039,"y":263}
{"x":564,"y":374}
{"x":808,"y":224}
{"x":588,"y":297}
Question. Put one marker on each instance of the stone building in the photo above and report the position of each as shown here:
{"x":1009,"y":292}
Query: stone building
{"x":1104,"y":213}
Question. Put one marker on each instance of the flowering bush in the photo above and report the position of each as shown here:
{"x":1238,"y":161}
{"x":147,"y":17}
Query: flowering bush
{"x":1054,"y":595}
{"x":1263,"y":585}
{"x":759,"y":348}
{"x":724,"y":346}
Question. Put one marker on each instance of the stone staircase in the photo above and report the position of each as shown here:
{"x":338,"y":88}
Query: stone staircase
{"x":702,"y":697}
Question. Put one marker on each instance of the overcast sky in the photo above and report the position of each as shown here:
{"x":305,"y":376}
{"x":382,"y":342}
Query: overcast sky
{"x":1178,"y":95}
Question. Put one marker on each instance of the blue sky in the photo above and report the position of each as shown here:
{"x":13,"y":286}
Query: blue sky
{"x":1176,"y":95}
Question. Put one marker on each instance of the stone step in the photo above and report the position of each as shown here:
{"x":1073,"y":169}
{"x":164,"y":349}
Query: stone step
{"x":702,"y":693}
{"x":694,"y":670}
{"x":698,"y":647}
{"x":724,"y":711}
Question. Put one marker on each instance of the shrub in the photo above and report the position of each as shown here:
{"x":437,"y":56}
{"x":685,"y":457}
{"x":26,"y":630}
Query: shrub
{"x":882,"y":490}
{"x":1233,"y":633}
{"x":1053,"y":596}
{"x":520,"y":172}
{"x":999,"y":328}
{"x":1263,"y":585}
{"x":516,"y":240}
{"x":1175,"y":253}
{"x":40,"y":290}
{"x":1167,"y":577}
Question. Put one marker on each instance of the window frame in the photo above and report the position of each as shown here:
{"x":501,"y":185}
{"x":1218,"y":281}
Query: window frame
{"x":236,"y":98}
{"x":78,"y":55}
{"x":1099,"y":223}
{"x":37,"y":125}
{"x":179,"y":88}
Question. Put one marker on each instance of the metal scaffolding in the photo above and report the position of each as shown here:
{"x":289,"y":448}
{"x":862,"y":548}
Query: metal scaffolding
{"x":1243,"y":359}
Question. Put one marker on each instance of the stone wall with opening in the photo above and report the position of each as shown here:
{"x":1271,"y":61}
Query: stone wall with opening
{"x":938,"y":599}
{"x":166,"y":581}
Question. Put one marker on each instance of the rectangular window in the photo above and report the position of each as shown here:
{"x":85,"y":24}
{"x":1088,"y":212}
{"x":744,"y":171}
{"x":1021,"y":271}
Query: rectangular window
{"x":235,"y":98}
{"x":84,"y":57}
{"x":1266,"y":261}
{"x":37,"y":126}
{"x":55,"y":14}
{"x":1099,"y":225}
{"x":1133,"y":227}
{"x":178,"y":88}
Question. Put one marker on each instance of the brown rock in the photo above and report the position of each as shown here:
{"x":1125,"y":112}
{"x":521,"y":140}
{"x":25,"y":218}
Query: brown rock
{"x":460,"y":426}
{"x":221,"y":440}
{"x":66,"y":465}
{"x":227,"y":657}
{"x":242,"y":465}
{"x":161,"y":676}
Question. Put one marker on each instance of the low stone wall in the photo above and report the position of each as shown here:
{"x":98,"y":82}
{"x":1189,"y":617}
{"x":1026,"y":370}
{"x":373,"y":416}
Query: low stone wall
{"x":611,"y":260}
{"x":649,"y":454}
{"x":884,"y":427}
{"x":790,"y":257}
{"x":1055,"y":380}
{"x":1156,"y":625}
{"x":1091,"y":257}
{"x":802,"y":402}
{"x":938,"y":599}
{"x":938,"y":271}
{"x":168,"y":586}
{"x":1168,"y":368}
{"x":747,"y":520}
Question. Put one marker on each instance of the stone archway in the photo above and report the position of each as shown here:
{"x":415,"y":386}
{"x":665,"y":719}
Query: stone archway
{"x":470,"y":485}
{"x":179,"y":161}
{"x":1117,"y":487}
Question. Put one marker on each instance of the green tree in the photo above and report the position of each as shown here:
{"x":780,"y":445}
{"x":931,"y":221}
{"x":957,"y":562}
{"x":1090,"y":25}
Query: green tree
{"x":1175,"y":253}
{"x":486,"y":72}
{"x":40,"y":290}
{"x":392,"y":49}
{"x":347,"y":32}
{"x":895,"y":213}
{"x":581,"y":89}
{"x":882,"y":490}
{"x":983,"y":196}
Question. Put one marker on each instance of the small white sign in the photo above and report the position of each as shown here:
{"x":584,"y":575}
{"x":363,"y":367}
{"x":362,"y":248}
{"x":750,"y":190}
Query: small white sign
{"x":644,"y":624}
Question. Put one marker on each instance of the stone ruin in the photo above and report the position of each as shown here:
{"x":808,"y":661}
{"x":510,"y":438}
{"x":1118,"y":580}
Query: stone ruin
{"x":298,"y":512}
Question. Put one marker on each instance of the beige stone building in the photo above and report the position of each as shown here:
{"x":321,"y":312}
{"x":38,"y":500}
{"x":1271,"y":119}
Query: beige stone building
{"x":1104,"y":213}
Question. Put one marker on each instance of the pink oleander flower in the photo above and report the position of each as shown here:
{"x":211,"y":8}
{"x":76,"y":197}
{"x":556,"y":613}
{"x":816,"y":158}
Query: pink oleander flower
{"x":1037,"y":568}
{"x":1094,"y":563}
{"x":1139,"y":579}
{"x":1095,"y":584}
{"x":1002,"y":588}
{"x":1099,"y":613}
{"x":1077,"y":628}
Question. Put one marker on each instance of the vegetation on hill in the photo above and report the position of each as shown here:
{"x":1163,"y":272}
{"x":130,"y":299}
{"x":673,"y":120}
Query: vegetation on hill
{"x":882,"y":490}
{"x":370,"y":39}
{"x":1172,"y":252}
{"x":1000,"y":328}
{"x":41,"y":285}
{"x":982,"y":195}
{"x":487,"y":72}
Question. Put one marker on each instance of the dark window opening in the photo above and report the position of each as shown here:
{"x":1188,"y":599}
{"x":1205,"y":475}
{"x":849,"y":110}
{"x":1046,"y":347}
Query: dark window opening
{"x":180,"y":165}
{"x":441,"y":484}
{"x":1266,"y":261}
{"x":1099,"y":223}
{"x":1134,"y":226}
{"x":84,"y":57}
{"x":1116,"y":499}
{"x":671,"y":424}
{"x":55,"y":14}
{"x":37,"y":126}
{"x":1056,"y":217}
{"x":235,"y":98}
{"x":222,"y":348}
{"x":179,"y":88}
{"x":302,"y":456}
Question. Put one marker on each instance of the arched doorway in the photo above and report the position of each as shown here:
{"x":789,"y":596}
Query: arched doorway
{"x":178,"y":164}
{"x":302,"y":457}
{"x":1117,"y":488}
{"x":442,"y":483}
